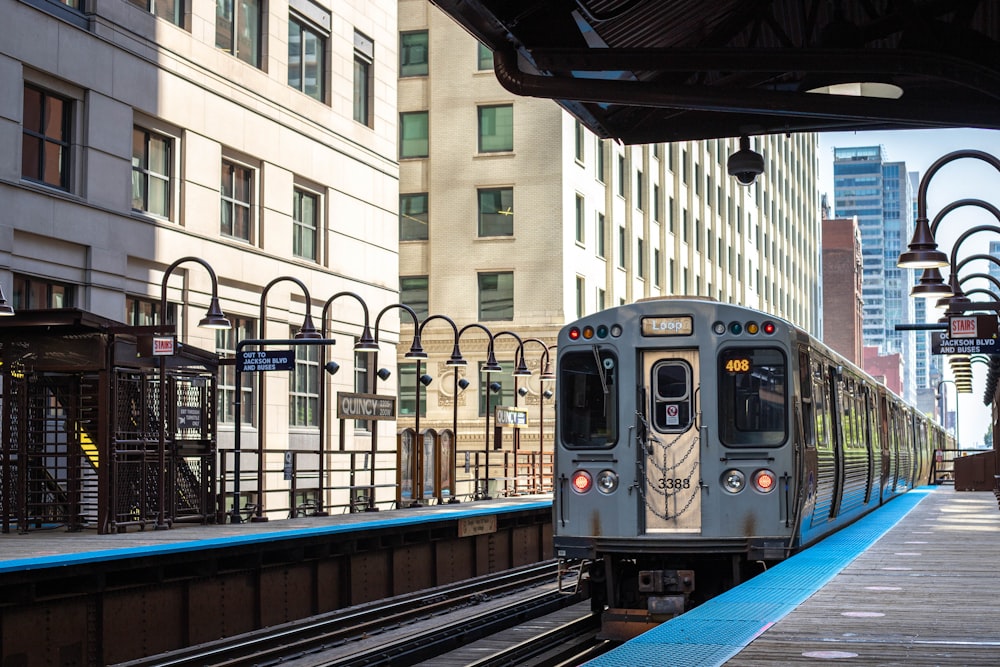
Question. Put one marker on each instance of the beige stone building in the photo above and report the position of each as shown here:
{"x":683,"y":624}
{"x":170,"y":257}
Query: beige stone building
{"x":258,"y":137}
{"x":514,"y":215}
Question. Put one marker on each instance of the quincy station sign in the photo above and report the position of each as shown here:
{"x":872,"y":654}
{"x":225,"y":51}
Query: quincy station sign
{"x":968,"y":334}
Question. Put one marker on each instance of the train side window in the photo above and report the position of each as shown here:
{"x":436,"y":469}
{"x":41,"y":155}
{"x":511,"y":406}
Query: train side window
{"x":671,"y":384}
{"x":808,"y":411}
{"x":753,"y":404}
{"x":588,"y":399}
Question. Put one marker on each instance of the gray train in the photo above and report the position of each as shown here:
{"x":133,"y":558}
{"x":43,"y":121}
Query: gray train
{"x":697,"y":442}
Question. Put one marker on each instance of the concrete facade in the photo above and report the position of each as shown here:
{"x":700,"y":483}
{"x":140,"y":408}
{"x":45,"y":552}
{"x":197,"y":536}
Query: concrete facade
{"x":120,"y":69}
{"x":595,"y":223}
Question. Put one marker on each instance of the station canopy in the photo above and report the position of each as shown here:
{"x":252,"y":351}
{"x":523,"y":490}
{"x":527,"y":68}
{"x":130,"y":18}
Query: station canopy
{"x":646,"y":71}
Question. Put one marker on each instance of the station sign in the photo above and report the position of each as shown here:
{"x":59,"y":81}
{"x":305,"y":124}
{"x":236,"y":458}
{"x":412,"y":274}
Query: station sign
{"x":163,"y":346}
{"x":512,"y":417}
{"x":365,"y":406}
{"x":266,"y":360}
{"x":967,"y":334}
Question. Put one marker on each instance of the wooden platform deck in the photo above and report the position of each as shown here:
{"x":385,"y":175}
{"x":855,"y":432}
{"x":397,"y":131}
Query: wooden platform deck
{"x":926,"y":593}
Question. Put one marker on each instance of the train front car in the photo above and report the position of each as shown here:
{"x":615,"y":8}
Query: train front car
{"x":674,"y":455}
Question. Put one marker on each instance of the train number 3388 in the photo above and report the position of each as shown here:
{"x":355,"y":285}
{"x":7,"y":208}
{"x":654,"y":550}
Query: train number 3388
{"x":674,"y":483}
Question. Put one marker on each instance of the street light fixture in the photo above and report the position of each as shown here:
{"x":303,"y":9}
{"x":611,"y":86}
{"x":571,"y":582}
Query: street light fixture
{"x":214,"y":319}
{"x":923,"y":252}
{"x":931,"y":283}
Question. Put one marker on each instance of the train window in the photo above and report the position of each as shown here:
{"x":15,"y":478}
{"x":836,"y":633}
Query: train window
{"x":671,"y":390}
{"x":753,"y":405}
{"x":588,"y":399}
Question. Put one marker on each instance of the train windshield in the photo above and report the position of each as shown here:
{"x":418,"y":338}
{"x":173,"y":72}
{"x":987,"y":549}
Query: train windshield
{"x":753,"y":405}
{"x":588,"y":399}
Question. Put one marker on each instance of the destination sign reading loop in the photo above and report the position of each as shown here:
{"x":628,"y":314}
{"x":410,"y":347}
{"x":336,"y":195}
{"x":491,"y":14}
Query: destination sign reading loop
{"x":679,"y":325}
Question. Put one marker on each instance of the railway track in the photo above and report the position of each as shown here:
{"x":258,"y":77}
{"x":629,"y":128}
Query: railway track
{"x":402,"y":631}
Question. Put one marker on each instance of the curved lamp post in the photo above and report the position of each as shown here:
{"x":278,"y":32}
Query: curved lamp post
{"x":456,"y":360}
{"x":489,"y":367}
{"x":923,"y":252}
{"x":415,"y":352}
{"x":958,"y":299}
{"x":366,"y":343}
{"x":306,"y":331}
{"x":214,"y":319}
{"x":931,"y":283}
{"x":545,"y":375}
{"x":520,"y":370}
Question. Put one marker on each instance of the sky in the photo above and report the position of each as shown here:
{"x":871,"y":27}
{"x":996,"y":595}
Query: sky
{"x":960,"y":179}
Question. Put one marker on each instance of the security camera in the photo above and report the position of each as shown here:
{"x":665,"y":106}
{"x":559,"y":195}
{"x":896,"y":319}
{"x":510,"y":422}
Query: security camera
{"x":746,"y":165}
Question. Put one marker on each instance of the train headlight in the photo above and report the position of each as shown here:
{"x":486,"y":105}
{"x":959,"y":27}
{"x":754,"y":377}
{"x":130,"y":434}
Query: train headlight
{"x":607,"y":481}
{"x":764,"y":481}
{"x":719,"y":328}
{"x":582,"y":481}
{"x":733,"y":481}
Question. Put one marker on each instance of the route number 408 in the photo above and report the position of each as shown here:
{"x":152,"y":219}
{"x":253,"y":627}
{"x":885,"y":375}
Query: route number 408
{"x":674,"y":483}
{"x":738,"y":365}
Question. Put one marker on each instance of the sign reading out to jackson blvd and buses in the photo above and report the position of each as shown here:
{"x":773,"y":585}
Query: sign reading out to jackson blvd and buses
{"x":968,"y":334}
{"x":365,"y":406}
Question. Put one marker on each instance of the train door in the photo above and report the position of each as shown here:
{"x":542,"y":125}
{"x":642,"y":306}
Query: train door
{"x":670,"y":455}
{"x":837,"y":422}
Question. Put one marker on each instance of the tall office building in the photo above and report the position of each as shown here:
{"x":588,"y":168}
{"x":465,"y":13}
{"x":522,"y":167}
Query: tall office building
{"x":258,"y":137}
{"x":877,"y":192}
{"x":514,"y":215}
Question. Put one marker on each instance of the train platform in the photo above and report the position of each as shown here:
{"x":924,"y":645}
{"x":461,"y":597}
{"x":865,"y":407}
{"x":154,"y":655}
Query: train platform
{"x":912,"y":583}
{"x":57,"y":547}
{"x":86,"y":599}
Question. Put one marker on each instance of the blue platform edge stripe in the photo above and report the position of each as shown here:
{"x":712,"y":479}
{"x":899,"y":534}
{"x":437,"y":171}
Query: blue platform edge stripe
{"x":146,"y":550}
{"x":717,"y":630}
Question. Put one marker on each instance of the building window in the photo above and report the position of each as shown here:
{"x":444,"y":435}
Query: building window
{"x":621,"y":176}
{"x":306,"y":58}
{"x":45,"y":138}
{"x":580,"y":287}
{"x":505,"y":395}
{"x":237,"y":200}
{"x":152,"y":162}
{"x":225,"y":346}
{"x":496,"y":128}
{"x":484,"y":57}
{"x":581,"y":218}
{"x":578,"y":139}
{"x":413,"y":134}
{"x":656,"y":202}
{"x":656,"y":267}
{"x":146,"y":312}
{"x":599,"y":234}
{"x":413,"y":217}
{"x":640,"y":258}
{"x":496,"y":212}
{"x":601,"y":299}
{"x":364,"y":59}
{"x":640,"y":195}
{"x":36,"y":293}
{"x":413,"y":53}
{"x":599,"y":153}
{"x":622,"y":248}
{"x":408,"y":391}
{"x":496,"y":296}
{"x":170,"y":10}
{"x":303,"y":395}
{"x":305,"y":224}
{"x":413,"y":291}
{"x":237,"y":29}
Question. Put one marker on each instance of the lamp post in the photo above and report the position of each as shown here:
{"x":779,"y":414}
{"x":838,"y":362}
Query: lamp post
{"x":931,"y":283}
{"x":455,"y":361}
{"x":365,"y":344}
{"x":520,"y":370}
{"x":544,"y":375}
{"x":214,"y":319}
{"x":306,"y":331}
{"x":415,"y":352}
{"x":923,"y":252}
{"x":489,"y":367}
